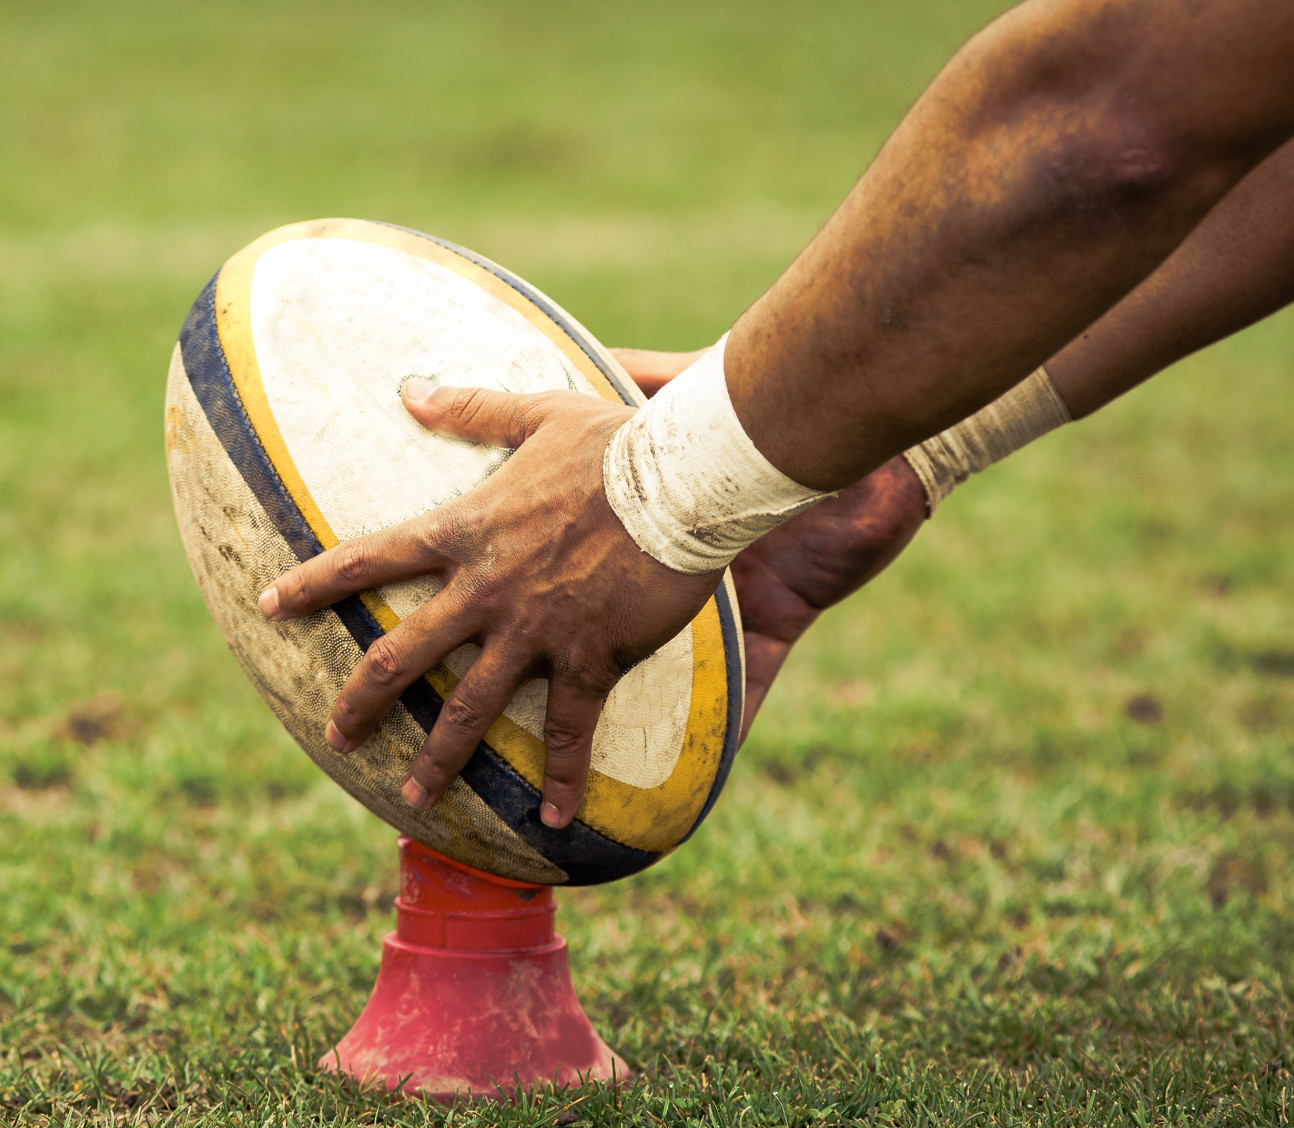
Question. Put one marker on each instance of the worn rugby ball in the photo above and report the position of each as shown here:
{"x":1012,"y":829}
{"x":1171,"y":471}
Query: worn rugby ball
{"x":285,"y":435}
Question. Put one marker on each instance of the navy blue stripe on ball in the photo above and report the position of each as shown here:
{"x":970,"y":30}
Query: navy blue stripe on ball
{"x":213,"y":384}
{"x":209,"y":375}
{"x":588,"y":857}
{"x":208,"y":370}
{"x":730,"y":623}
{"x":535,"y":298}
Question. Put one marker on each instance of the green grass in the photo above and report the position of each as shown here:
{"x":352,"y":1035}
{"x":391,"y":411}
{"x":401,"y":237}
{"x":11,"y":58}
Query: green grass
{"x":1012,"y":842}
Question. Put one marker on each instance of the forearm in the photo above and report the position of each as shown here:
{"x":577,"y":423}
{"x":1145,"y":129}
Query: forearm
{"x":1052,"y":165}
{"x":1235,"y":268}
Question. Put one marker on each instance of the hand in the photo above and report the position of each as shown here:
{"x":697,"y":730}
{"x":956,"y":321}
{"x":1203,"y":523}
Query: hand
{"x":538,"y":572}
{"x":788,"y":577}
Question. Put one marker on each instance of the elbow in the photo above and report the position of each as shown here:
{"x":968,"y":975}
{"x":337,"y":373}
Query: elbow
{"x":1110,"y":163}
{"x":1078,"y":124}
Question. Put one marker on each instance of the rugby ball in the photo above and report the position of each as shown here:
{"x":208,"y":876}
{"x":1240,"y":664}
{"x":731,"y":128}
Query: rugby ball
{"x":285,"y":435}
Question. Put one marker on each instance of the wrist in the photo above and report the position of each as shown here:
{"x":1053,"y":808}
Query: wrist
{"x":1013,"y":420}
{"x":687,"y":482}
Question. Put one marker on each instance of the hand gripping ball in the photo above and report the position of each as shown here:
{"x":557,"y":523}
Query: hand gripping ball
{"x":285,"y":435}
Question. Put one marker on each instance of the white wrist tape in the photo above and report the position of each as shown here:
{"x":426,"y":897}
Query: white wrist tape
{"x":1026,"y":412}
{"x":685,"y":479}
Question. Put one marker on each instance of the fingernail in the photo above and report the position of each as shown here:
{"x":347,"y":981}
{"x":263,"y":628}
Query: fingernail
{"x":269,"y":603}
{"x":415,"y":388}
{"x":332,"y":734}
{"x":415,"y":794}
{"x":550,"y":816}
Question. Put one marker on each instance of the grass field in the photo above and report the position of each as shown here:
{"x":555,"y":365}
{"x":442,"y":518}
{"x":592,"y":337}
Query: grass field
{"x":1011,"y":843}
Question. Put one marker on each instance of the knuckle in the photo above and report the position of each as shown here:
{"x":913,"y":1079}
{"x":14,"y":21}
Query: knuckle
{"x":297,"y":591}
{"x":431,"y":773}
{"x":385,"y":663}
{"x":465,"y":404}
{"x":529,"y":413}
{"x":588,"y":676}
{"x":344,"y":715}
{"x":451,"y":533}
{"x":461,"y":716}
{"x":471,"y":588}
{"x":516,"y":416}
{"x":353,"y":562}
{"x":564,"y":774}
{"x":563,"y":740}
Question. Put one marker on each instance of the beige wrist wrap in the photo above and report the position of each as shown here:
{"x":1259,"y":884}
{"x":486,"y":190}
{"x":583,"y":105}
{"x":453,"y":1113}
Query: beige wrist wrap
{"x":1026,"y":412}
{"x":685,"y":479}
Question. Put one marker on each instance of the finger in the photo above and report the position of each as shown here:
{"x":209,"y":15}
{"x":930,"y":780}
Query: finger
{"x":498,"y":418}
{"x":652,"y":370}
{"x":392,"y":663}
{"x":573,"y":712}
{"x":649,"y":383}
{"x":409,"y":549}
{"x":467,"y":713}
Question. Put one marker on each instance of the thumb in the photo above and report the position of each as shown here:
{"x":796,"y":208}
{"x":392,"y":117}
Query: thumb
{"x":496,"y":418}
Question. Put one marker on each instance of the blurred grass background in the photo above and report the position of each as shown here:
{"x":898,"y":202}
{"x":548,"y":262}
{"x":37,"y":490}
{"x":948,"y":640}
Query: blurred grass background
{"x":1011,"y":842}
